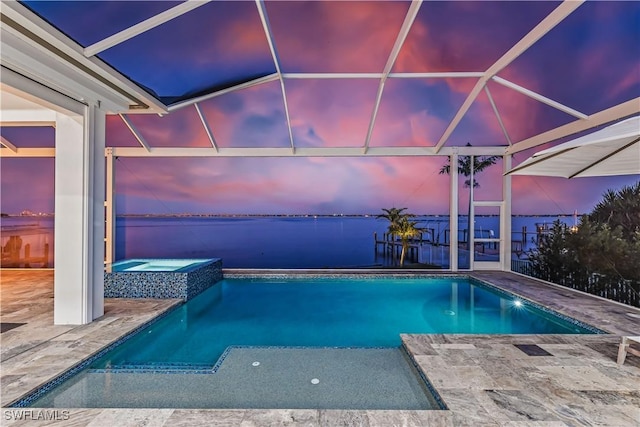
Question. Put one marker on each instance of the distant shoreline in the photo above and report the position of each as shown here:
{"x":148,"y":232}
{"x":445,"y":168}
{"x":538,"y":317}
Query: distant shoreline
{"x":308,"y":215}
{"x":189,"y":215}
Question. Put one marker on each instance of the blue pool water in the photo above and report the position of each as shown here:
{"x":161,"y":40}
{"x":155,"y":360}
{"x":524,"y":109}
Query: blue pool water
{"x":330,"y":343}
{"x":340,"y":312}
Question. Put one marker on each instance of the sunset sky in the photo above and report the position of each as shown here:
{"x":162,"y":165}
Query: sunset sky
{"x":589,"y":62}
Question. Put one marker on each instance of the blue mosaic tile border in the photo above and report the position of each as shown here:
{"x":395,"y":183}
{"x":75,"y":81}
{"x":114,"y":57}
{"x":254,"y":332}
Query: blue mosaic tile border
{"x":35,"y":394}
{"x":425,"y":380}
{"x":360,"y":276}
{"x":528,"y":302}
{"x":223,"y":356}
{"x":156,"y":368}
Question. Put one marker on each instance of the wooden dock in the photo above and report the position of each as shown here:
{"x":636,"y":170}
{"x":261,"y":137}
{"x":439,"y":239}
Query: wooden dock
{"x":393,"y":247}
{"x":15,"y":255}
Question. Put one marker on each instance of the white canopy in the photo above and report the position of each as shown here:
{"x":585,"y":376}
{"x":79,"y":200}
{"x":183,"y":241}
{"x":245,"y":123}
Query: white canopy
{"x":614,"y":150}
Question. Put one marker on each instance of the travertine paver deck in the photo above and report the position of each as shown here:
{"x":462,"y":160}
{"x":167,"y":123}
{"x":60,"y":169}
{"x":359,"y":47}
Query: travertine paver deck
{"x":484,"y":379}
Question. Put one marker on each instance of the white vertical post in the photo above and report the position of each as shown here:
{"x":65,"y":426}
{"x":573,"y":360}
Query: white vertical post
{"x":505,"y":226}
{"x":453,"y":211}
{"x":471,"y":238}
{"x":110,"y":208}
{"x":79,"y":217}
{"x":96,"y":139}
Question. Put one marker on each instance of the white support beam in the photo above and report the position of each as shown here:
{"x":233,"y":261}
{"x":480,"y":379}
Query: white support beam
{"x":303,"y":152}
{"x":262,"y":10}
{"x":5,"y":142}
{"x":443,"y":75}
{"x":495,"y":110}
{"x":28,"y":152}
{"x":374,"y":115}
{"x":414,"y":7}
{"x":453,"y":210}
{"x":319,"y":76}
{"x":25,"y":123}
{"x":206,"y":126}
{"x":471,"y":235}
{"x":286,"y":113}
{"x":135,"y":132}
{"x":602,"y":117}
{"x":271,"y":152}
{"x":13,"y":84}
{"x":538,"y":97}
{"x":266,"y":79}
{"x":546,"y":25}
{"x":461,"y":112}
{"x":110,"y":208}
{"x":79,"y":218}
{"x":143,"y":26}
{"x":95,"y":134}
{"x":506,"y":227}
{"x":39,"y":117}
{"x":395,"y":51}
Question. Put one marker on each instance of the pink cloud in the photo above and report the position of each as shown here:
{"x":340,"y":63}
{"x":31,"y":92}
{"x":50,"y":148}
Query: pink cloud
{"x":335,"y":36}
{"x":466,"y":36}
{"x":331,"y":113}
{"x":252,"y":117}
{"x":181,"y":128}
{"x":117,"y":134}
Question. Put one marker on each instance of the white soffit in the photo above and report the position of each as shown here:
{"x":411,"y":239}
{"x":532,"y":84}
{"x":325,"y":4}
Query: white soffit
{"x":37,"y":50}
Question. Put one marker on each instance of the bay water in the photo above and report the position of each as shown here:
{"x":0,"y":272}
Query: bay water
{"x":270,"y":241}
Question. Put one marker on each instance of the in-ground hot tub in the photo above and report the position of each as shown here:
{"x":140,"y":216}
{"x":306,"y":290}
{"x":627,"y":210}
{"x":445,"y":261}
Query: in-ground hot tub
{"x":161,"y":278}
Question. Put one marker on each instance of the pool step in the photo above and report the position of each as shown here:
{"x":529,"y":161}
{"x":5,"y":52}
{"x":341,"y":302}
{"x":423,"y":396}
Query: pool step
{"x":156,"y":368}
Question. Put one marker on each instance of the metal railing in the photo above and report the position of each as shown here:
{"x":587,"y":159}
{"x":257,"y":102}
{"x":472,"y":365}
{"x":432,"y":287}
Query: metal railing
{"x":624,"y":291}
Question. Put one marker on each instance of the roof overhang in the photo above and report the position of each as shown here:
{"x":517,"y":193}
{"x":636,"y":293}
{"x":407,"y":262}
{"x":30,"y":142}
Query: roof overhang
{"x":31,"y":47}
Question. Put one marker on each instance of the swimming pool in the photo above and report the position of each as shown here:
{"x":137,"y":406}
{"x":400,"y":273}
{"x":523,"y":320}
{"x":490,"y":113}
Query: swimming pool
{"x":340,"y":312}
{"x":243,"y":315}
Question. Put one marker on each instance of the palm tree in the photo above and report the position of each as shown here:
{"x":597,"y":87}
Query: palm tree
{"x":620,"y":209}
{"x":405,"y":229}
{"x":480,"y":163}
{"x":394,"y":216}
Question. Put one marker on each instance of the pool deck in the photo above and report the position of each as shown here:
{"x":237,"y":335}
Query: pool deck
{"x":484,"y":379}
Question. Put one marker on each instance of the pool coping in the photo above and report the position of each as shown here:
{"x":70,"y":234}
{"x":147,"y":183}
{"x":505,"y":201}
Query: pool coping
{"x":194,"y":264}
